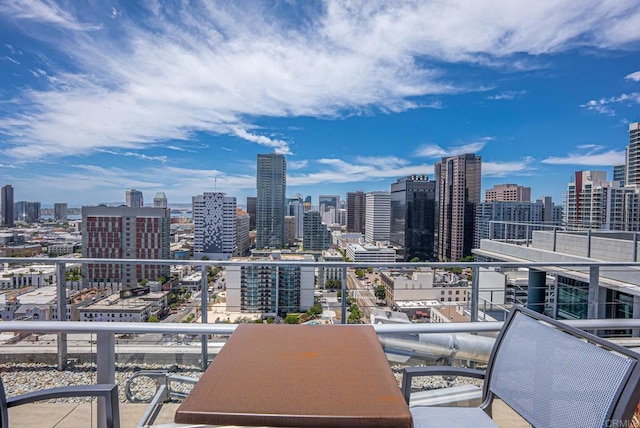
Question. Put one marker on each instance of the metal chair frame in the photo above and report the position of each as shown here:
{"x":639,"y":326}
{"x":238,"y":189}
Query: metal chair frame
{"x":621,"y":409}
{"x":109,"y":392}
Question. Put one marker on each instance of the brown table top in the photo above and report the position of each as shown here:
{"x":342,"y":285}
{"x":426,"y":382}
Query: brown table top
{"x":298,"y":376}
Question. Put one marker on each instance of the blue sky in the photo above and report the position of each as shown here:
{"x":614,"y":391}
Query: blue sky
{"x":100,"y":96}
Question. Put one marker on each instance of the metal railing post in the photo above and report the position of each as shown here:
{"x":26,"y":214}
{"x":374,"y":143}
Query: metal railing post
{"x":343,"y":292}
{"x":204,"y":294}
{"x":61,"y":306}
{"x":277,"y":291}
{"x":475,"y":285}
{"x":106,"y":369}
{"x":593,"y":298}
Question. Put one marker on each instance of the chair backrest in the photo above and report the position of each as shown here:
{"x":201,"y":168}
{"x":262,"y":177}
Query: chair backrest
{"x":555,"y":375}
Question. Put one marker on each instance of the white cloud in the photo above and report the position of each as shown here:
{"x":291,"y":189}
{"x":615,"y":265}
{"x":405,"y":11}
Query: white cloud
{"x":593,"y":156}
{"x":377,"y":161}
{"x":279,"y":146}
{"x":603,"y":105}
{"x":507,"y":95}
{"x":507,"y":169}
{"x":633,"y":76}
{"x":361,"y":169}
{"x":44,"y":11}
{"x":436,"y":151}
{"x":180,"y":149}
{"x":215,"y":67}
{"x":293,"y":165}
{"x":141,"y":156}
{"x":8,"y":58}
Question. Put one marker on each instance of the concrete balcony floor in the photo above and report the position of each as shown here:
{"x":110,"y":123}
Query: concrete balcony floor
{"x":49,"y":415}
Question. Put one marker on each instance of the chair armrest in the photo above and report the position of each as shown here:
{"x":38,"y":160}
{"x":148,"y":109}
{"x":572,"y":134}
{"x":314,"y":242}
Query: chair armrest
{"x":108,"y":390}
{"x":98,"y":390}
{"x":408,"y":373}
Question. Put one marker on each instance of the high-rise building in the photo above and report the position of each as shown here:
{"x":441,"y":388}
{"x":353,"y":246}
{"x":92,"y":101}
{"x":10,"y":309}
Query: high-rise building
{"x":296,"y":209}
{"x":276,"y":290}
{"x":6,"y":202}
{"x":26,"y":212}
{"x":133,"y":198}
{"x":356,"y":209}
{"x":271,"y":184}
{"x":214,"y":226}
{"x":378,"y":217}
{"x":633,"y":155}
{"x":508,"y":193}
{"x":160,"y":200}
{"x":243,"y":241}
{"x":458,"y":181}
{"x":508,"y":220}
{"x":578,"y":202}
{"x":619,"y":172}
{"x":251,"y":210}
{"x":342,"y":216}
{"x":329,"y":206}
{"x":592,"y":202}
{"x":316,"y":236}
{"x":413,"y":217}
{"x":289,"y":230}
{"x":552,"y":213}
{"x":124,"y":233}
{"x":60,"y":211}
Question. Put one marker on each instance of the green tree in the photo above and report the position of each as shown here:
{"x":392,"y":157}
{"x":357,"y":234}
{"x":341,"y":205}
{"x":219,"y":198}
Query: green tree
{"x":359,"y":273}
{"x":153,"y":318}
{"x":291,"y":319}
{"x":333,"y":283}
{"x":415,"y":260}
{"x":380,"y":292}
{"x":354,"y":314}
{"x":471,"y":258}
{"x":315,"y":310}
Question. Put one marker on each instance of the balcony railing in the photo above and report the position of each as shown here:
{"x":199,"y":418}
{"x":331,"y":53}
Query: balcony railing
{"x":108,"y":347}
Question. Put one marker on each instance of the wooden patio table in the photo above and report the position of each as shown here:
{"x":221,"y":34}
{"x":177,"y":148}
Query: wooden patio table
{"x":298,"y":376}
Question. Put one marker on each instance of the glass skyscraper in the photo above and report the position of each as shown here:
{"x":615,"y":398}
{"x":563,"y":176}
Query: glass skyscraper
{"x":271,"y":185}
{"x":6,"y":203}
{"x":413,"y":217}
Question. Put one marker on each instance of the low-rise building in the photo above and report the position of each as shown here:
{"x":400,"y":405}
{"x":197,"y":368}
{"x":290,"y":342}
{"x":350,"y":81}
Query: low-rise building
{"x":370,"y":253}
{"x":34,"y":275}
{"x":424,"y":285}
{"x":114,"y":308}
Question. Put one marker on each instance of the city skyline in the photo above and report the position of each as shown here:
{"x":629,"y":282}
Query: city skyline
{"x":98,"y":99}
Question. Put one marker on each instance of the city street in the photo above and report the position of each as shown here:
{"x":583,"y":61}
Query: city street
{"x":363,"y":293}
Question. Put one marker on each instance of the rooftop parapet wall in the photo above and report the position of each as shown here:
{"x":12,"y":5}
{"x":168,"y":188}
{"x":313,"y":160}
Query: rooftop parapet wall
{"x":512,"y":252}
{"x":609,"y":249}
